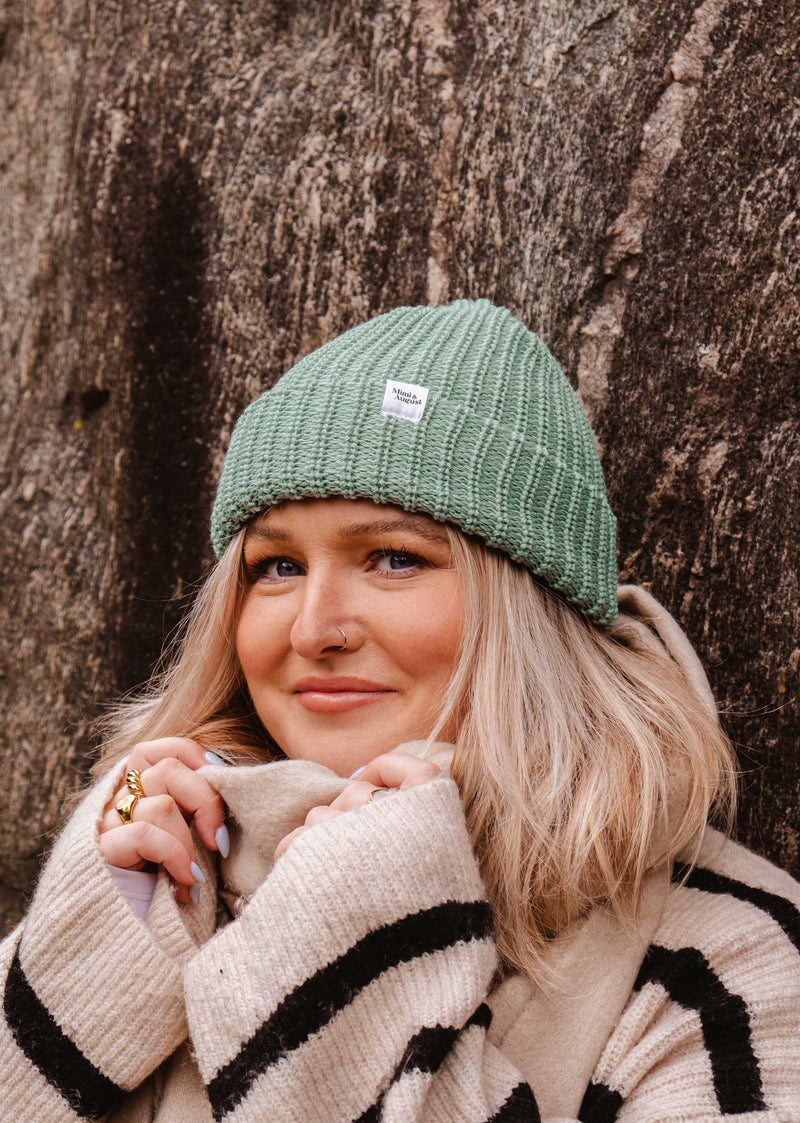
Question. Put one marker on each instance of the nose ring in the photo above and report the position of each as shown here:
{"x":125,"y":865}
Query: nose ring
{"x":344,"y":645}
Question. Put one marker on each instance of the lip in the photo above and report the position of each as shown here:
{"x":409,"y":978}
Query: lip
{"x":337,"y":684}
{"x":335,"y":695}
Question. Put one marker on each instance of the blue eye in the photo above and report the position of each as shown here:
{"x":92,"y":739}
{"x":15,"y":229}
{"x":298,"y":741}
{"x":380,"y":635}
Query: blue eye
{"x":264,"y":568}
{"x":406,"y":561}
{"x":275,"y":569}
{"x":282,"y":565}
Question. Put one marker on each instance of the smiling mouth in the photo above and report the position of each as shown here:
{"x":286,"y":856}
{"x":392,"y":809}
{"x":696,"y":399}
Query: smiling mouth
{"x":337,"y":701}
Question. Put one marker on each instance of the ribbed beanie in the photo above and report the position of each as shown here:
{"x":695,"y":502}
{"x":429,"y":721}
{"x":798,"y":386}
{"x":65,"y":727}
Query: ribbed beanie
{"x":458,"y":411}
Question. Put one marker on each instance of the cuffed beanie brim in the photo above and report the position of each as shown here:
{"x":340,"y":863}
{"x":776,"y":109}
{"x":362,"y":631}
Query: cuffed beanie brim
{"x":502,"y":448}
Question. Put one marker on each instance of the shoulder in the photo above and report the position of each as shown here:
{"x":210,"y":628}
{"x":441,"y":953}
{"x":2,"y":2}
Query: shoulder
{"x":710,"y":1028}
{"x":732,"y":900}
{"x":730,"y":859}
{"x":729,"y":938}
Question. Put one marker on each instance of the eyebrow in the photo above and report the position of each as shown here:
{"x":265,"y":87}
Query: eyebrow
{"x":278,"y":533}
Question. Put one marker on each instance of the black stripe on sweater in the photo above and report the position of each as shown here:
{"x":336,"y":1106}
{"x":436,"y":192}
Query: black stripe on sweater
{"x":87,"y":1091}
{"x":427,"y":1049}
{"x":600,"y":1104}
{"x":520,"y":1107}
{"x":782,"y":911}
{"x":425,"y":1052}
{"x":312,"y":1004}
{"x":688,"y":979}
{"x":372,"y":1114}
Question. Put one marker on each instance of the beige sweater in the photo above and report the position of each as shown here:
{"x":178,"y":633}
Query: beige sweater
{"x":354,"y":981}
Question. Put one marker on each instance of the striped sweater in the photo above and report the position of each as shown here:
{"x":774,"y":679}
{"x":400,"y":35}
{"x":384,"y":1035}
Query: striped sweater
{"x":354,"y":982}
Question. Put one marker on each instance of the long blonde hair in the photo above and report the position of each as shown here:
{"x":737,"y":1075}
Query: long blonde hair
{"x":585,"y":759}
{"x":572,"y":743}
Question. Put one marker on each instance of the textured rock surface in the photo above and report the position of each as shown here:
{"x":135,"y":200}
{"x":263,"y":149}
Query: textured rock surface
{"x":195,"y":195}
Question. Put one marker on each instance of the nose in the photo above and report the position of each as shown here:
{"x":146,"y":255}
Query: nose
{"x":325,"y":605}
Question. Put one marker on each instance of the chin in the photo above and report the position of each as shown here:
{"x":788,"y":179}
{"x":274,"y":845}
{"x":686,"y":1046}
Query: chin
{"x":345,"y":752}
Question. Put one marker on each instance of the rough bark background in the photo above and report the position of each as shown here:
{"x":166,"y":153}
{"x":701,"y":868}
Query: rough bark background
{"x":196,"y":194}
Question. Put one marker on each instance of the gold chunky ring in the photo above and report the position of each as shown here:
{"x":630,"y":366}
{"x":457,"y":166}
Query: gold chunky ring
{"x":133,"y":782}
{"x":372,"y":793}
{"x":126,"y":805}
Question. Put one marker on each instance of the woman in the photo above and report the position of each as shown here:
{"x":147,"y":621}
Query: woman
{"x":426,"y":794}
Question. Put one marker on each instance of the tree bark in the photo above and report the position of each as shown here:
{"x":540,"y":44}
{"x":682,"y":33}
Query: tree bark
{"x":196,"y":195}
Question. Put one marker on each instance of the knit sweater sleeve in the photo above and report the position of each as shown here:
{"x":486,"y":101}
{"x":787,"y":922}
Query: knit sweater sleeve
{"x":92,"y":999}
{"x":353,"y":984}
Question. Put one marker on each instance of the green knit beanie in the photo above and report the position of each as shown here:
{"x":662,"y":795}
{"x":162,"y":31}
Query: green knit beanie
{"x":458,"y":411}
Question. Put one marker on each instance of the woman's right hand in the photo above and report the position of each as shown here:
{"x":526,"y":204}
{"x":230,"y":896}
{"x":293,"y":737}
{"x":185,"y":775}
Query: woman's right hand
{"x":159,"y":829}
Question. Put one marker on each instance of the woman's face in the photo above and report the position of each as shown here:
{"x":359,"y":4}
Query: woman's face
{"x":385,"y":577}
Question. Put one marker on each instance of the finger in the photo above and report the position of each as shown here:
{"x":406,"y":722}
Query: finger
{"x":160,"y":810}
{"x":147,"y":753}
{"x":398,"y":770}
{"x":111,"y":817}
{"x":192,"y":793}
{"x":287,"y":840}
{"x":128,"y":845}
{"x":318,"y":814}
{"x":354,"y":795}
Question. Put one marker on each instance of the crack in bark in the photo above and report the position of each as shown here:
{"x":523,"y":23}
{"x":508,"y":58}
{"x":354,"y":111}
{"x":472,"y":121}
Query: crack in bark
{"x":661,"y":141}
{"x":432,"y":31}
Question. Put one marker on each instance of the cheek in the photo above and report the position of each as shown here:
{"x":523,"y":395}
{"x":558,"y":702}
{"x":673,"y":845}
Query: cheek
{"x":427,"y":635}
{"x":257,"y":643}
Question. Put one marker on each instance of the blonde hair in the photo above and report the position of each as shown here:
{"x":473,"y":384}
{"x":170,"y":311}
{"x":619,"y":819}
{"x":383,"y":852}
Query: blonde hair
{"x":198,"y":689}
{"x":584,"y":758}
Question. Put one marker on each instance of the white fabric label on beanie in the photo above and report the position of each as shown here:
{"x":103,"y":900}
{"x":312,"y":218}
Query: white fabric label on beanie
{"x":404,"y":400}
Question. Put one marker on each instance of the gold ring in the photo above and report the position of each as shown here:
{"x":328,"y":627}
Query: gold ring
{"x":133,"y":782}
{"x":126,"y":805}
{"x":372,"y":793}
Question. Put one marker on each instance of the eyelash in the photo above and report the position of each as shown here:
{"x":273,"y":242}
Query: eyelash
{"x":256,"y":570}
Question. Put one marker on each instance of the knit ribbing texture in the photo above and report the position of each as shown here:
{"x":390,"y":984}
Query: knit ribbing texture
{"x":502,"y":448}
{"x":354,"y":981}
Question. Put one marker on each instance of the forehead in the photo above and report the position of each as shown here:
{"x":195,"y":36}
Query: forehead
{"x":344,"y":518}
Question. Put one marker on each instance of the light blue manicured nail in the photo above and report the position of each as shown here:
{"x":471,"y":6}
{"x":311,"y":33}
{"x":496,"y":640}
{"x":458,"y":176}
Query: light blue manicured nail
{"x":380,"y":794}
{"x":357,"y":772}
{"x":197,"y":873}
{"x":212,"y":758}
{"x":223,"y":841}
{"x":194,"y":893}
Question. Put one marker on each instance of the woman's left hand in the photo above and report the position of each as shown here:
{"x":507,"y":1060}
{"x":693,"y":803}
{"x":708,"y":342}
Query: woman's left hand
{"x":390,"y":770}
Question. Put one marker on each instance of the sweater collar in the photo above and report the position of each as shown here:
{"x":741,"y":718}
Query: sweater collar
{"x":596,"y":960}
{"x":267,"y":801}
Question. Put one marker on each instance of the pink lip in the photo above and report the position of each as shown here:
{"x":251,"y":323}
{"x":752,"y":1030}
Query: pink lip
{"x":335,"y":695}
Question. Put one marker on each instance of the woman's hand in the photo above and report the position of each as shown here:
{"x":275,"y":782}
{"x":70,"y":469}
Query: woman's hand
{"x":390,"y":770}
{"x":159,"y":829}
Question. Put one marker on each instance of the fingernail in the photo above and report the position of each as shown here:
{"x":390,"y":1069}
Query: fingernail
{"x":212,"y":758}
{"x":197,"y":873}
{"x":357,"y":772}
{"x":223,"y":841}
{"x":194,"y":893}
